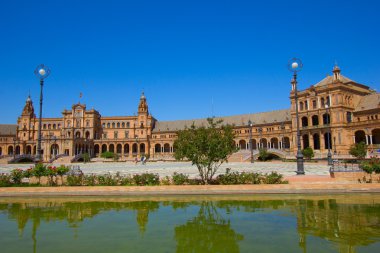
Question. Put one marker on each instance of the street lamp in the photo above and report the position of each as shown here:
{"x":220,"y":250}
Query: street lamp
{"x":41,"y":72}
{"x":250,"y":123}
{"x":282,"y":135}
{"x":14,"y":147}
{"x":295,"y":65}
{"x":329,"y":157}
{"x":261,"y":136}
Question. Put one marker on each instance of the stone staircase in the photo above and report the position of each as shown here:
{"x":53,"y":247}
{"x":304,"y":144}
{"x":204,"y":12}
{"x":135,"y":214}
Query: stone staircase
{"x":63,"y":160}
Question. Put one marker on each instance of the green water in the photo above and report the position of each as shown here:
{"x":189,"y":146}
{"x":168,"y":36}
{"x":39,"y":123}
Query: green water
{"x":281,"y":223}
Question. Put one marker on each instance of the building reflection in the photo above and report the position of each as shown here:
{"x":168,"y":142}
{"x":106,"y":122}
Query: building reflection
{"x":346,"y":224}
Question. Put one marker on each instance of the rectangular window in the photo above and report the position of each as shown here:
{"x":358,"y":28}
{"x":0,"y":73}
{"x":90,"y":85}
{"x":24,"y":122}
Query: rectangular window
{"x":115,"y":134}
{"x":349,"y":117}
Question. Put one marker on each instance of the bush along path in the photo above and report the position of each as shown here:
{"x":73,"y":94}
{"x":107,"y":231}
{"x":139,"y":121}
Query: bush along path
{"x":42,"y":175}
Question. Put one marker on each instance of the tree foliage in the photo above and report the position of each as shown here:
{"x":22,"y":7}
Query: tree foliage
{"x":308,"y":153}
{"x":206,"y":147}
{"x":359,"y":150}
{"x":263,"y":154}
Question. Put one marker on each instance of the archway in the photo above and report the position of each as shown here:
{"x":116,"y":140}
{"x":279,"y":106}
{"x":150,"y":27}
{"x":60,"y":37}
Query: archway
{"x":111,"y":148}
{"x":10,"y":150}
{"x":274,"y":143}
{"x":360,"y":136}
{"x":142,"y":148}
{"x":134,"y":148}
{"x":87,"y":135}
{"x":18,"y":150}
{"x":126,"y":149}
{"x":157,"y":148}
{"x":317,"y":142}
{"x":96,"y":149}
{"x":54,"y":149}
{"x":77,"y":135}
{"x":28,"y":150}
{"x":328,"y":140}
{"x":1,"y":151}
{"x":263,"y":143}
{"x":166,"y":148}
{"x":326,"y":119}
{"x":305,"y":141}
{"x":286,"y":142}
{"x":104,"y":148}
{"x":34,"y":150}
{"x":118,"y":148}
{"x":376,"y":136}
{"x":242,"y":144}
{"x":254,"y":144}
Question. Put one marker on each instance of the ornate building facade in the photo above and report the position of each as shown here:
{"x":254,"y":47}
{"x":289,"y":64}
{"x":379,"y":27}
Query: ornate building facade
{"x":334,"y":113}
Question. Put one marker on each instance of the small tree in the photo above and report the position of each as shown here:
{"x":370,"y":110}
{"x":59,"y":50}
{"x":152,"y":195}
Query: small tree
{"x":359,"y":150}
{"x":86,"y":157}
{"x":263,"y":154}
{"x":206,"y":147}
{"x":308,"y":153}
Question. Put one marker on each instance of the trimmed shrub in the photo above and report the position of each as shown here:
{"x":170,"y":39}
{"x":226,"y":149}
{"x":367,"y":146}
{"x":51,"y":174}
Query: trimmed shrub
{"x":5,"y":180}
{"x":74,"y":180}
{"x":273,"y":178}
{"x":17,"y":175}
{"x":146,"y":179}
{"x":180,"y":178}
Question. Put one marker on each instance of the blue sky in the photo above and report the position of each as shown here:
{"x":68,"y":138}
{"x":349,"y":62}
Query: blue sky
{"x":193,"y":58}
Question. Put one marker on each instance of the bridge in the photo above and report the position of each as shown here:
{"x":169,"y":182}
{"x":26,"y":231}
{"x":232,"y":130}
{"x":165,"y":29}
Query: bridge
{"x":23,"y":159}
{"x":245,"y":155}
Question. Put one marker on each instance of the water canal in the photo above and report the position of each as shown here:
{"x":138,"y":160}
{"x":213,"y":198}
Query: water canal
{"x":265,"y":223}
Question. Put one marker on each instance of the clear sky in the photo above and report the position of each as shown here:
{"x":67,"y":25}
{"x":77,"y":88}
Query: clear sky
{"x":193,"y":59}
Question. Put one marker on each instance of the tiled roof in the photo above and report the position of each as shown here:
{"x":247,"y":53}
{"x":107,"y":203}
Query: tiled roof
{"x":8,"y":129}
{"x":237,"y":120}
{"x":329,"y":79}
{"x":371,"y":101}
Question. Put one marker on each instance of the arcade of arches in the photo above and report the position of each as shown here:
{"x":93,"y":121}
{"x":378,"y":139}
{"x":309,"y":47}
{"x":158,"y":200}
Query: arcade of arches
{"x":329,"y":118}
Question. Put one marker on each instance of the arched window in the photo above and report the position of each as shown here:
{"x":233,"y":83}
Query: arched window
{"x":315,"y":120}
{"x":113,"y":124}
{"x":274,"y":143}
{"x":305,"y":141}
{"x":142,"y":148}
{"x":304,"y":121}
{"x":108,"y":125}
{"x":111,"y":148}
{"x":123,"y":125}
{"x":96,"y":149}
{"x":317,"y":143}
{"x":301,"y":106}
{"x":118,"y":124}
{"x":328,"y":140}
{"x":104,"y":148}
{"x":326,"y":119}
{"x":376,"y":136}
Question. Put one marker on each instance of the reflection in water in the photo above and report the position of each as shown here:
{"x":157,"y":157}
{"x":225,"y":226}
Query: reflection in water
{"x":346,"y":224}
{"x":207,"y":232}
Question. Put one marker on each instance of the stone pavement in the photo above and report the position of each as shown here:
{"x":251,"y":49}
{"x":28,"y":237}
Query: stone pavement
{"x":168,"y":168}
{"x":292,"y":188}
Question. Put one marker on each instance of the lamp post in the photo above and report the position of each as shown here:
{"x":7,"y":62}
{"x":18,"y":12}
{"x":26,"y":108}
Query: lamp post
{"x":250,"y":139}
{"x":261,"y":136}
{"x":41,"y":72}
{"x":282,"y":135}
{"x":329,"y":157}
{"x":295,"y":65}
{"x":14,"y":147}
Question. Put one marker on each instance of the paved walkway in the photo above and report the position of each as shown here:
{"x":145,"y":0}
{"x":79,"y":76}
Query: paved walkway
{"x":168,"y":168}
{"x":292,"y":188}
